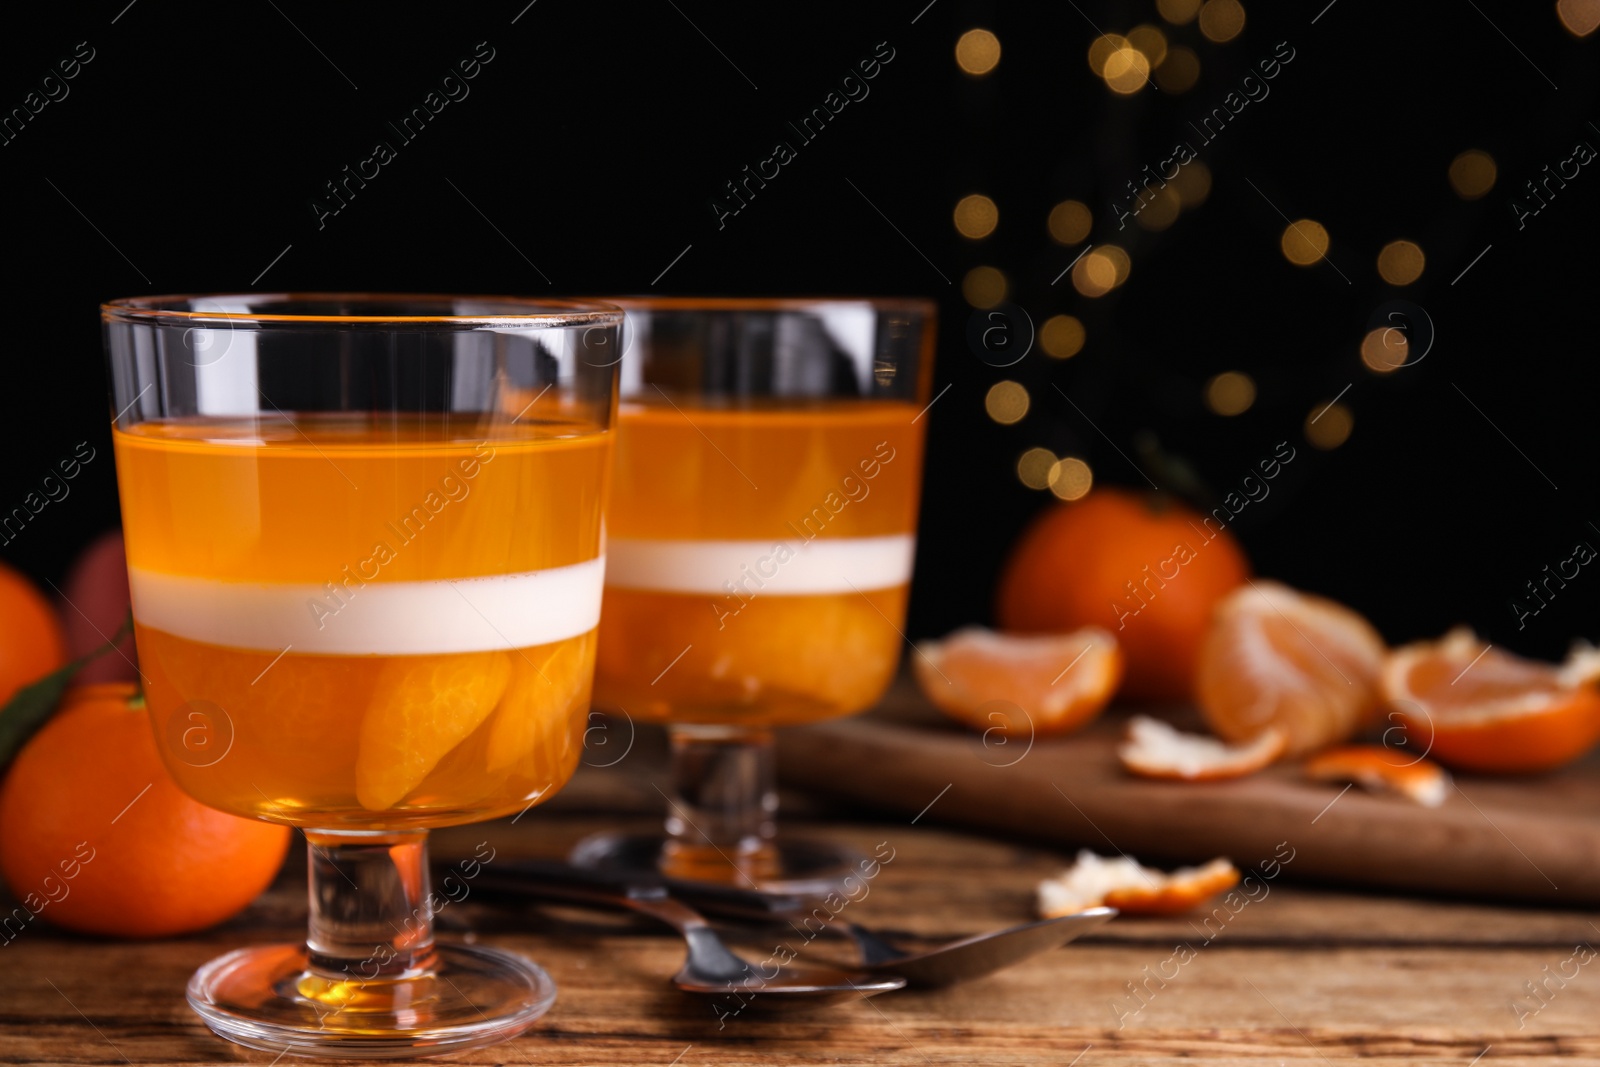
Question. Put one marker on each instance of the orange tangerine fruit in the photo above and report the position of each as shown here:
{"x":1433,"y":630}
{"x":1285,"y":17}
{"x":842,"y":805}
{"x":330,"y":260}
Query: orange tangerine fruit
{"x":32,"y":643}
{"x":1382,"y":769}
{"x":1277,"y":657}
{"x":1059,"y":682}
{"x":1132,"y":889}
{"x":1154,"y":749}
{"x":1143,"y":565}
{"x":1475,"y":707}
{"x":95,"y":835}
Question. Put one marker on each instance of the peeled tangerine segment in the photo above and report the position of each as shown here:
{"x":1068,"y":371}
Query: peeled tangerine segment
{"x":1154,"y":749}
{"x":1277,"y":657}
{"x":421,"y":708}
{"x":1124,"y":884}
{"x":535,"y":717}
{"x":1059,"y":681}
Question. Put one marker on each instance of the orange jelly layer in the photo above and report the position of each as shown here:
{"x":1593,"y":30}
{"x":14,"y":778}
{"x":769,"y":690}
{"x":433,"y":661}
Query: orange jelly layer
{"x":363,"y":739}
{"x":755,"y":655}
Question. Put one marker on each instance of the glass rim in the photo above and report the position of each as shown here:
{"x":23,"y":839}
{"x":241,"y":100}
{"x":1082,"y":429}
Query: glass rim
{"x":769,"y":303}
{"x":542,"y":312}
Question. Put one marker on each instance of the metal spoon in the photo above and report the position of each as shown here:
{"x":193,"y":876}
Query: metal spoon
{"x":709,"y":968}
{"x":934,"y":965}
{"x":975,"y":956}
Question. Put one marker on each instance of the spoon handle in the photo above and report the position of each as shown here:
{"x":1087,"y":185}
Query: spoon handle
{"x":730,"y":901}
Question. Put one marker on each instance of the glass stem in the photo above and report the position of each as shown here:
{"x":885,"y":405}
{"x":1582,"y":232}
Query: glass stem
{"x":720,"y":819}
{"x":371,"y":905}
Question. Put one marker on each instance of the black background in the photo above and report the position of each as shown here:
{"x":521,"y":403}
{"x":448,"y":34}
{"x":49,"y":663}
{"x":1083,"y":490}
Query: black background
{"x":189,"y":149}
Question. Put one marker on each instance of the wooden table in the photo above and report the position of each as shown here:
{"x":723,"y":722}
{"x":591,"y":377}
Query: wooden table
{"x":1299,"y":975}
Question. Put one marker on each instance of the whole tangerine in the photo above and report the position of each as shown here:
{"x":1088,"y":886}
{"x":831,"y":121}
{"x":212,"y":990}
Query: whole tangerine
{"x":95,"y":836}
{"x":1142,"y":565}
{"x":31,"y":641}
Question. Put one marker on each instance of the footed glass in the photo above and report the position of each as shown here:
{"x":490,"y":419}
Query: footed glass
{"x":364,"y":538}
{"x":761,"y":535}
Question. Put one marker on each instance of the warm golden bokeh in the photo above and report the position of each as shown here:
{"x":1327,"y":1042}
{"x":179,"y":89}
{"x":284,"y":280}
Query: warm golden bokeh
{"x":1328,"y":425}
{"x":1384,"y":349}
{"x":976,"y":216}
{"x":978,"y":52}
{"x":1160,"y":211}
{"x":1034,"y":466}
{"x":1180,"y":71}
{"x":1178,"y":12}
{"x":984,"y":287}
{"x":1401,"y":262}
{"x":1304,"y":242}
{"x":1579,"y":17}
{"x":1193,"y":181}
{"x":1006,"y":402}
{"x":1127,"y":71}
{"x":1101,"y":271}
{"x":1150,"y":41}
{"x":1473,"y":172}
{"x":1102,"y":48}
{"x":1120,"y":263}
{"x":1061,"y":336}
{"x":1070,"y":222}
{"x":1070,"y":478}
{"x":1221,"y":20}
{"x":1230,"y":393}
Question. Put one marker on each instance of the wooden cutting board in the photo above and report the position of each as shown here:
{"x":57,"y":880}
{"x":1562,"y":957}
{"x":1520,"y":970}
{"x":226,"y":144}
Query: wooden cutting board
{"x":1524,"y":838}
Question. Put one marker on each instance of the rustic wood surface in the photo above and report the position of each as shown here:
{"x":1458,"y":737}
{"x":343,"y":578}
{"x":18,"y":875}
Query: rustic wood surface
{"x":1533,"y":838}
{"x":1299,"y":974}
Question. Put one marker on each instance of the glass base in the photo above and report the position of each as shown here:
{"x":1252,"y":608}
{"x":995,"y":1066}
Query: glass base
{"x":270,"y":999}
{"x":791,"y":867}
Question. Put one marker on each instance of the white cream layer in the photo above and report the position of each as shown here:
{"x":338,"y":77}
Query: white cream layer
{"x":378,"y":618}
{"x":794,"y":567}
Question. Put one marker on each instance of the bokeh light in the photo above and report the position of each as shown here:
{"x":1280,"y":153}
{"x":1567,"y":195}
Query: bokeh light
{"x":1102,"y":48}
{"x":1193,"y":181}
{"x":1221,"y":20}
{"x":1061,"y":336}
{"x":1070,"y":478}
{"x":1006,"y":402}
{"x":1473,"y":172}
{"x":1385,"y":349}
{"x":978,"y":52}
{"x":1230,"y":393}
{"x":1579,"y":17}
{"x":1034,"y":466}
{"x":1160,"y":211}
{"x":1151,"y":42}
{"x":976,"y":216}
{"x":1101,"y":271}
{"x":984,"y":287}
{"x":1127,"y":71}
{"x":1120,"y":263}
{"x":1178,"y":12}
{"x":1181,"y":70}
{"x":1401,"y":262}
{"x":1070,"y":222}
{"x":1328,"y":425}
{"x":1304,"y":242}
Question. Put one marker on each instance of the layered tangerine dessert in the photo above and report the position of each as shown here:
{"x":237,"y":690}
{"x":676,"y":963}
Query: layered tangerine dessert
{"x":758,"y":560}
{"x":365,"y":624}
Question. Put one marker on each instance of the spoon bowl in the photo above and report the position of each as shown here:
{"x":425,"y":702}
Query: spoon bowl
{"x":880,"y":961}
{"x":710,"y":968}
